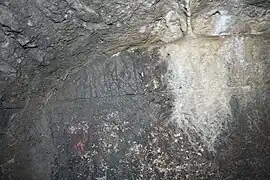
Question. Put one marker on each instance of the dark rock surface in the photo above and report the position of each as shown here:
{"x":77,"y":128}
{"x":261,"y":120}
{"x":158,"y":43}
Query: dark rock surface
{"x":130,"y":89}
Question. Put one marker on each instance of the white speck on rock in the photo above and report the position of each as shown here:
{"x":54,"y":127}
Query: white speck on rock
{"x":116,"y":54}
{"x":19,"y":61}
{"x":155,"y":83}
{"x":29,"y":23}
{"x":142,"y":29}
{"x":6,"y":44}
{"x":118,"y":24}
{"x":223,"y":22}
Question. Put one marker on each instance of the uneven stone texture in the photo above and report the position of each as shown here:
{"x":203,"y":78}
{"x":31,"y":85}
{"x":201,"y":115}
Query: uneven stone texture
{"x":134,"y":89}
{"x":231,"y":17}
{"x":117,"y":124}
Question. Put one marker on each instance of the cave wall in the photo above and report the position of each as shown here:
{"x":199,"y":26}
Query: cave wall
{"x":134,"y":89}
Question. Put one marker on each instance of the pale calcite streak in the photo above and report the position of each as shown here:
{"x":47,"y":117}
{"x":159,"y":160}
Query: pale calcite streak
{"x":198,"y":77}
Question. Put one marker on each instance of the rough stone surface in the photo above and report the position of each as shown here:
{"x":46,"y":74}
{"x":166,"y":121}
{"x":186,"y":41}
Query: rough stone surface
{"x":231,"y":17}
{"x":131,"y":89}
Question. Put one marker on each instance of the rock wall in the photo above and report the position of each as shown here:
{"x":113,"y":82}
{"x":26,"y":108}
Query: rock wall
{"x":134,"y":89}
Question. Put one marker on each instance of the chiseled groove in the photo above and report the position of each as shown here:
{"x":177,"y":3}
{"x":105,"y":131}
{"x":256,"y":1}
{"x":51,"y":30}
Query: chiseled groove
{"x":152,"y":92}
